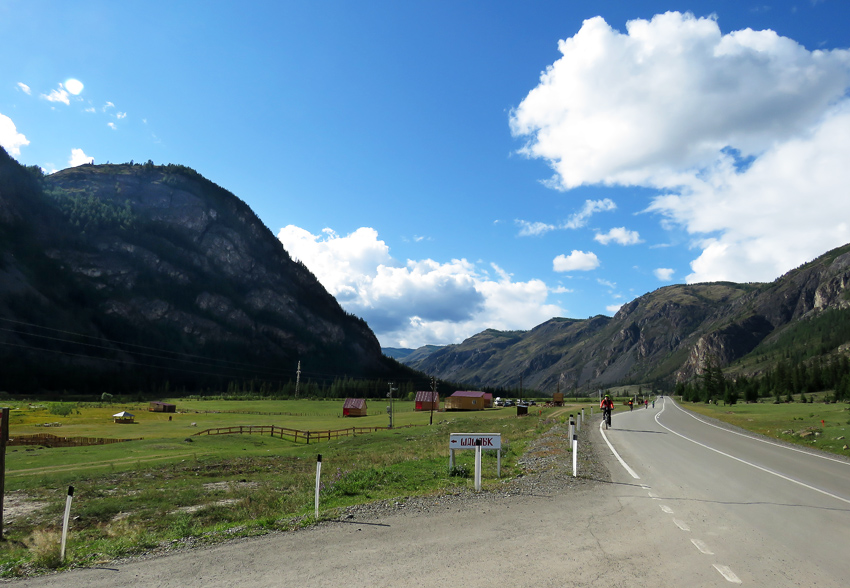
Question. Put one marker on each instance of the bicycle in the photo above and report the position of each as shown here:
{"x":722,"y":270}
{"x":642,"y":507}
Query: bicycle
{"x":606,"y":417}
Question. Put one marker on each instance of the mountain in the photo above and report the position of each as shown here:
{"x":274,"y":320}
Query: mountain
{"x":137,"y":277}
{"x":409,"y":355}
{"x":666,"y":336}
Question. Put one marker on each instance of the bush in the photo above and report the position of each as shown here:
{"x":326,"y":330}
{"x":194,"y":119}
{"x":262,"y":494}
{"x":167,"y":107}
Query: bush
{"x":61,"y":409}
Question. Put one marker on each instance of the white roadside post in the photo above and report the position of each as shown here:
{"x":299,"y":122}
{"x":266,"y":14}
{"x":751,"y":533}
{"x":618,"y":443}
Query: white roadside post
{"x":65,"y":523}
{"x":318,"y":482}
{"x":572,"y":426}
{"x":575,"y":456}
{"x":478,"y":465}
{"x":578,"y":423}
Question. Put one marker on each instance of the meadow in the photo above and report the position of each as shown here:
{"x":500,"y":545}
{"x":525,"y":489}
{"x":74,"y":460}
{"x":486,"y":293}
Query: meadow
{"x":173,"y":487}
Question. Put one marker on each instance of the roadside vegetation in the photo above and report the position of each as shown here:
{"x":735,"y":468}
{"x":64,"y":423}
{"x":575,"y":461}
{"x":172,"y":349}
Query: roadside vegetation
{"x":173,"y":488}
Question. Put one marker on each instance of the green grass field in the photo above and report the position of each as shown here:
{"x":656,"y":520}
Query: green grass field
{"x":170,"y":486}
{"x":815,"y":424}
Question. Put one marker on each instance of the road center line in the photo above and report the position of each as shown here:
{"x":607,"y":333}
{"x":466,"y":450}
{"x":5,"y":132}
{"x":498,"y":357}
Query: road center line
{"x":617,"y":455}
{"x":727,"y":573}
{"x":702,"y":547}
{"x":758,"y":467}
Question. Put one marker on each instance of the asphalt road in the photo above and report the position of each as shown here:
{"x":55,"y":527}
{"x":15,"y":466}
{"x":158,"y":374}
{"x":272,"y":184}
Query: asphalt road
{"x":756,"y":512}
{"x":698,"y":506}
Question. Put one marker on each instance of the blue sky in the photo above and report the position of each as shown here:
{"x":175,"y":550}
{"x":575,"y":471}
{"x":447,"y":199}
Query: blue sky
{"x":446,"y":167}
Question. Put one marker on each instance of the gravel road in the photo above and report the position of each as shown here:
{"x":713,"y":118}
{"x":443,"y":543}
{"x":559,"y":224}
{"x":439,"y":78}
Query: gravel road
{"x":544,"y":528}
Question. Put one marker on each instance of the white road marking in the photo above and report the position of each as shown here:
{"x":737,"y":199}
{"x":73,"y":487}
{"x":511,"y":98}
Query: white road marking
{"x":666,"y":509}
{"x":653,"y":495}
{"x":797,"y":449}
{"x":758,"y":467}
{"x":727,"y":573}
{"x":681,"y":525}
{"x":702,"y":547}
{"x":617,"y":455}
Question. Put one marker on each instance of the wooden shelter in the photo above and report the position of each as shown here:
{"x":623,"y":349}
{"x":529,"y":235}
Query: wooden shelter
{"x":558,"y":398}
{"x":124,"y":417}
{"x":468,"y":400}
{"x":427,"y":400}
{"x":354,"y":407}
{"x":162,"y":407}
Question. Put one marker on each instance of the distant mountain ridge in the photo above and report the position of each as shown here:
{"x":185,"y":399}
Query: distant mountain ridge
{"x":663,"y":337}
{"x":135,"y":277}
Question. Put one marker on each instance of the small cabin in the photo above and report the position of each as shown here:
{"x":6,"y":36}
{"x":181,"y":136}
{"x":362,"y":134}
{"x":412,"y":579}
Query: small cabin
{"x":124,"y":417}
{"x":558,"y":399}
{"x":354,"y":407}
{"x":427,"y":400}
{"x":468,"y":400}
{"x":162,"y":407}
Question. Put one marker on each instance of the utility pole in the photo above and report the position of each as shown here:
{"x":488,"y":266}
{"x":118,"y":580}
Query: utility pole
{"x":433,"y":397}
{"x":297,"y":378}
{"x":390,"y":407}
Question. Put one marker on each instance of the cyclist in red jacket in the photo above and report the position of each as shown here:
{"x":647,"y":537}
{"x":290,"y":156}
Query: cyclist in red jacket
{"x":607,"y":405}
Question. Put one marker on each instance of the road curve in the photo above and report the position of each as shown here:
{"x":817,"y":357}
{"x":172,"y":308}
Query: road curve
{"x":757,"y":512}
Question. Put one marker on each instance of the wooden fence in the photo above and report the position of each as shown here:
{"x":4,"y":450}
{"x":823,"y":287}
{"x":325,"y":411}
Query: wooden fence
{"x":48,"y":440}
{"x":295,"y":435}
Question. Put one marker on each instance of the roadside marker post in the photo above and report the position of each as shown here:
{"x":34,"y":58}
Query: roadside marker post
{"x":65,"y":523}
{"x":575,"y":456}
{"x":318,"y":482}
{"x":478,"y":465}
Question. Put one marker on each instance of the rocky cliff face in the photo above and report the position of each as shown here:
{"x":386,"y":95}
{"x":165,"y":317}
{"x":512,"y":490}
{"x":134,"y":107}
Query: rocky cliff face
{"x":160,"y":257}
{"x":665,"y":336}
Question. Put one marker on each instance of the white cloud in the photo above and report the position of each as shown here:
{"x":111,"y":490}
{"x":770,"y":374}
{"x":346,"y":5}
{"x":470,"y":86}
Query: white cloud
{"x":636,"y":108}
{"x":24,"y":88}
{"x":575,"y":261}
{"x":607,"y":283}
{"x":619,"y":235}
{"x":533,"y":229}
{"x":788,"y":207}
{"x":746,"y":134}
{"x":418,"y":302}
{"x":120,"y":115}
{"x":112,"y":126}
{"x":576,"y":220}
{"x":665,"y":274}
{"x":590,"y":208}
{"x":58,"y":95}
{"x":562,"y":290}
{"x":79,"y":158}
{"x":613,"y":308}
{"x":10,"y":138}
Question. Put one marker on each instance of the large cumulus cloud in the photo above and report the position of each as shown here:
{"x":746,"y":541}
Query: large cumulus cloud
{"x":417,"y":302}
{"x":742,"y":134}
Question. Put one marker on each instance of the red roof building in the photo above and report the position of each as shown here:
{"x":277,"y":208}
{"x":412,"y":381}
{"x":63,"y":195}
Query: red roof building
{"x":354,"y":407}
